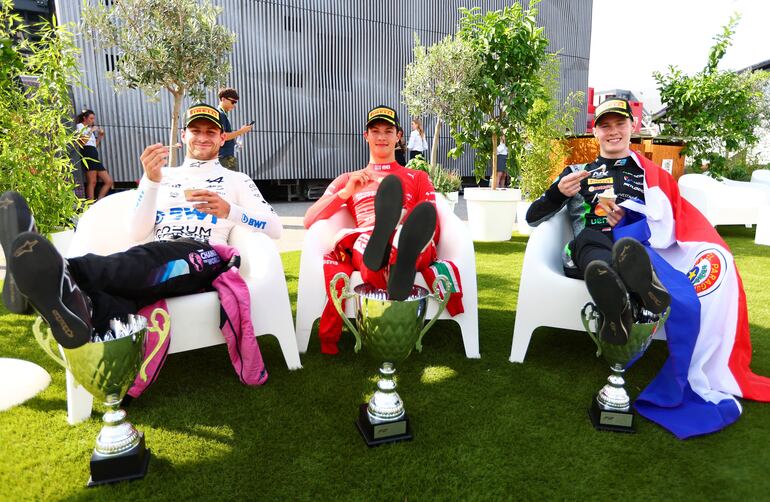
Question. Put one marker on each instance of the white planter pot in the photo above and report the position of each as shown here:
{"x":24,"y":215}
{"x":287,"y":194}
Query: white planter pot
{"x":521,"y":218}
{"x":491,"y":213}
{"x":451,"y":198}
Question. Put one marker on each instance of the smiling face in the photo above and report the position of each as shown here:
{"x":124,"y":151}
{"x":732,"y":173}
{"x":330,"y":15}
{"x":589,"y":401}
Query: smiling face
{"x":382,"y":138}
{"x":203,"y":139}
{"x":614,"y":135}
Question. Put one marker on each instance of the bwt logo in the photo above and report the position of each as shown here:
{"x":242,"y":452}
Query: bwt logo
{"x":253,"y":222}
{"x":182,"y":213}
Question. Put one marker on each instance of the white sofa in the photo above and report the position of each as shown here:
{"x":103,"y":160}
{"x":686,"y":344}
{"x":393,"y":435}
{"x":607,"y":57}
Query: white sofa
{"x":455,"y":244}
{"x":724,"y":202}
{"x":195,"y":318}
{"x":546,"y":296}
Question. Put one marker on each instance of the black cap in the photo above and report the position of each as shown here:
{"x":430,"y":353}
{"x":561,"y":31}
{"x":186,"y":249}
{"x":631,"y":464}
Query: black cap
{"x":202,"y":111}
{"x":382,"y":112}
{"x":613,"y":105}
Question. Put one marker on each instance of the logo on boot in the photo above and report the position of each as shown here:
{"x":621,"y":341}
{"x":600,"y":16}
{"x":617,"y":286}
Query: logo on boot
{"x":27,"y":247}
{"x":62,"y":324}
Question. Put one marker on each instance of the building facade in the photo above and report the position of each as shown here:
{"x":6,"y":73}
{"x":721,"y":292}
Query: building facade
{"x":307,"y":72}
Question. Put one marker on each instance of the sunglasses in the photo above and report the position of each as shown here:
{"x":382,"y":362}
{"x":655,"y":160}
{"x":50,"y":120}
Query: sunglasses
{"x":233,"y":101}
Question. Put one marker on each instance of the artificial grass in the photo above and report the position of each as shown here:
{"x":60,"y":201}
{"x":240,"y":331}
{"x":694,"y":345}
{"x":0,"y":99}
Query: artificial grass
{"x":484,"y":429}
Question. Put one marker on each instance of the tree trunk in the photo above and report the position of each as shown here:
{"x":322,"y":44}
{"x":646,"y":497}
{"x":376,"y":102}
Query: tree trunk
{"x":173,"y":140}
{"x":434,"y":146}
{"x":493,"y":179}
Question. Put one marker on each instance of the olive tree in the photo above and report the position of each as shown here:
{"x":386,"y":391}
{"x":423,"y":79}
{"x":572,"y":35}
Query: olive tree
{"x":716,"y":112}
{"x":35,"y":126}
{"x":175,"y":45}
{"x":439,"y":82}
{"x":511,"y":49}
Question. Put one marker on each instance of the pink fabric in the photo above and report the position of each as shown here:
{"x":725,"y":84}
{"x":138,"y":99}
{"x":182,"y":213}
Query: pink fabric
{"x":235,"y":324}
{"x":236,"y":327}
{"x":157,"y":362}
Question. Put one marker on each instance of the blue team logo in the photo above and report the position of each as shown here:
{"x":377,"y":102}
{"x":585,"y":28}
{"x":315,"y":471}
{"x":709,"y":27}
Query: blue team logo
{"x":183,"y":213}
{"x":621,"y":162}
{"x":253,"y":222}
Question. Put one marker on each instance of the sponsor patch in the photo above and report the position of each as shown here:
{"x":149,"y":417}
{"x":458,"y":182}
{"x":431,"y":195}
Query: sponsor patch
{"x":595,"y":181}
{"x":707,"y":273}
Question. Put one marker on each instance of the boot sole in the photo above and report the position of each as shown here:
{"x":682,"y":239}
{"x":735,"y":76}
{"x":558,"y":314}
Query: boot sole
{"x":13,"y":300}
{"x":387,"y":212}
{"x":609,"y":294}
{"x":416,"y":232}
{"x":39,"y":272}
{"x":634,"y":267}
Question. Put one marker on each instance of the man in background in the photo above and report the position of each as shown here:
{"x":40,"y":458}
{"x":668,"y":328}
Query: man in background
{"x":228,"y":98}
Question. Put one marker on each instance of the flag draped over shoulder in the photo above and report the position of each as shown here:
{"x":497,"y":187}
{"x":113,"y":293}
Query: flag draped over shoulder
{"x":708,"y":330}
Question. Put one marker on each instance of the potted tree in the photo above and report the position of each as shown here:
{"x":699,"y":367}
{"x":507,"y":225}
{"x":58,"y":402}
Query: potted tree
{"x":511,"y":50}
{"x":35,"y":131}
{"x":175,"y":45}
{"x":447,"y":183}
{"x":546,"y":148}
{"x":439,"y":83}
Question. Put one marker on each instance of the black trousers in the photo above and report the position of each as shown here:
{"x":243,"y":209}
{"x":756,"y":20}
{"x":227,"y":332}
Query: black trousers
{"x":589,"y":245}
{"x":122,"y":283}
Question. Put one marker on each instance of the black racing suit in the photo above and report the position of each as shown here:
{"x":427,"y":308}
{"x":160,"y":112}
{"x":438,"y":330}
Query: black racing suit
{"x":593,"y":235}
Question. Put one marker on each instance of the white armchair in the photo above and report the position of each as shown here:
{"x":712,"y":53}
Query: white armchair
{"x":194,"y":318}
{"x":454,"y":244}
{"x":724,"y":203}
{"x":546,"y":296}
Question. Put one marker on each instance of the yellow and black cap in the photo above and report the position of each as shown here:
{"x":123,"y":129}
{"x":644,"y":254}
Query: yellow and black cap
{"x":202,"y":111}
{"x":613,"y":105}
{"x":382,"y":112}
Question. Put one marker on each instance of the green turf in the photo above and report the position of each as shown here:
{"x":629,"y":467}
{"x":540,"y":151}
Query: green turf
{"x":484,"y":429}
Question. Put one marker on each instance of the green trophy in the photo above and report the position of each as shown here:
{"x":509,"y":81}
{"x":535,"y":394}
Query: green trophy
{"x":610,"y":409}
{"x":107,"y":369}
{"x":388,"y":329}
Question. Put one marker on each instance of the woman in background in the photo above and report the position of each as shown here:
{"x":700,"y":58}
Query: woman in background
{"x":417,"y":144}
{"x":90,"y":137}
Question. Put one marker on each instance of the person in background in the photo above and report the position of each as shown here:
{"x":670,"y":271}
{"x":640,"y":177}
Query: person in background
{"x":401,"y":148}
{"x":228,"y":98}
{"x":417,"y":144}
{"x":502,"y":158}
{"x":89,"y":138}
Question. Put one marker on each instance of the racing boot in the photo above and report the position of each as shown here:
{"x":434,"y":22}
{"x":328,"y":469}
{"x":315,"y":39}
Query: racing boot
{"x":633,"y":264}
{"x":15,"y":217}
{"x":42,"y":275}
{"x":611,"y":299}
{"x":388,"y":203}
{"x":416,"y":233}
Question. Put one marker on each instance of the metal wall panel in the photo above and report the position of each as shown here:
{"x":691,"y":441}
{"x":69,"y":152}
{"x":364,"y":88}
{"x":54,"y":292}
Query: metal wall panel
{"x":307,"y":72}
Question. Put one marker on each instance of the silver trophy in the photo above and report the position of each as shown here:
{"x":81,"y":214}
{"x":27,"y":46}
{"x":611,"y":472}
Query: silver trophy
{"x":388,"y":329}
{"x":611,"y":408}
{"x":106,"y":367}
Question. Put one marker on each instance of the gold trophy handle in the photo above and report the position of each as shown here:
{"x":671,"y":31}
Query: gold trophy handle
{"x":443,"y":281}
{"x":44,"y":340}
{"x":588,"y":316}
{"x":337,"y":302}
{"x":154,"y":325}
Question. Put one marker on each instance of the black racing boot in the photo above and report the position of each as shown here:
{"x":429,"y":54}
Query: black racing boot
{"x":388,"y":203}
{"x":633,"y":264}
{"x":611,"y":299}
{"x":416,"y":233}
{"x":15,"y":218}
{"x":43,"y":277}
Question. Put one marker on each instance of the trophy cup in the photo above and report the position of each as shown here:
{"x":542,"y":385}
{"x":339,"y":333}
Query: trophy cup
{"x":610,"y":409}
{"x":388,"y":329}
{"x":107,"y":369}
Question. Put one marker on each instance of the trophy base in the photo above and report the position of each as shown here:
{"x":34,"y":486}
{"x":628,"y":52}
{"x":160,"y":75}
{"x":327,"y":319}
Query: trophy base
{"x":608,"y":420}
{"x":122,"y":467}
{"x":377,"y":434}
